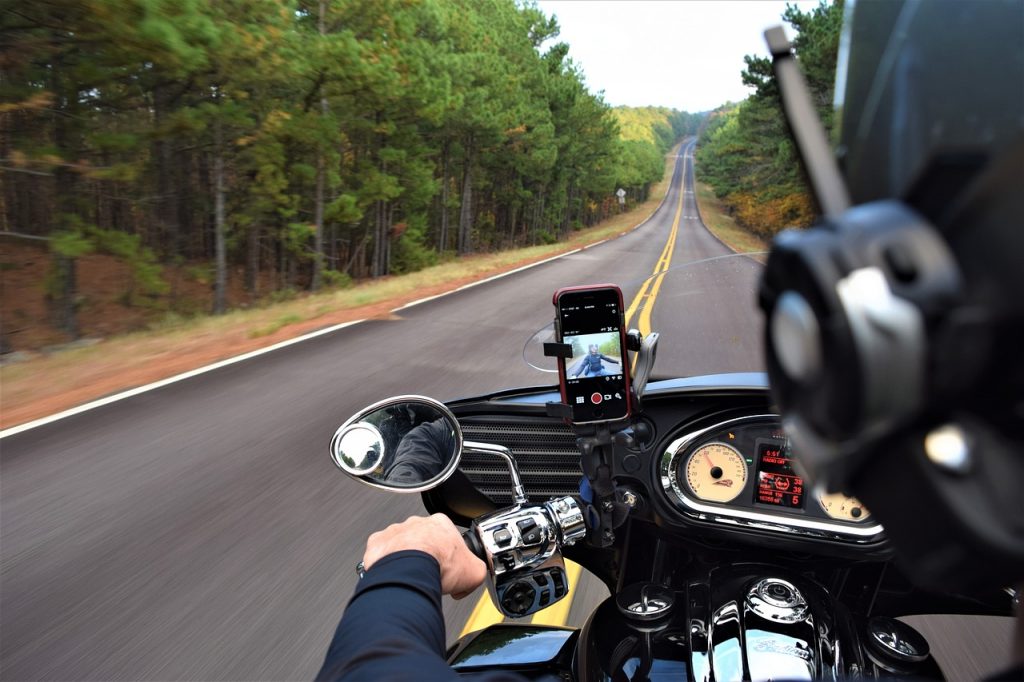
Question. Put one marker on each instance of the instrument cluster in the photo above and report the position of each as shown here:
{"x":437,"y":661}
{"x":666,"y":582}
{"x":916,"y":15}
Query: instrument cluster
{"x":741,"y":472}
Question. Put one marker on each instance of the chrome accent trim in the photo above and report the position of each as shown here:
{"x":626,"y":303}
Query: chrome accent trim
{"x":777,"y":600}
{"x":514,"y":564}
{"x":424,"y":400}
{"x":568,"y":520}
{"x":500,"y":451}
{"x":897,"y":640}
{"x":750,"y":519}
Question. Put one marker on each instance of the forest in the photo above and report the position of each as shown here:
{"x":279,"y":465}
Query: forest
{"x":302,"y":144}
{"x":745,"y":152}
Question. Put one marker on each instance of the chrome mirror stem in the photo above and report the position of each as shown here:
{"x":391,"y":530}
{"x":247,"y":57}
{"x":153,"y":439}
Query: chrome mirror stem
{"x":518,"y":493}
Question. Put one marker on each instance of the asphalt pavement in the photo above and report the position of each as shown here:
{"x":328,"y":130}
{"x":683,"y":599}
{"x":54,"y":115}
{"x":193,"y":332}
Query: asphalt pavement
{"x":200,"y":531}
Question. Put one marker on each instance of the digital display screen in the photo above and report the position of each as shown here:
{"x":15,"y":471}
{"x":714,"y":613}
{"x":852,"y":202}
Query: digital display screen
{"x":595,"y":380}
{"x":777,"y":483}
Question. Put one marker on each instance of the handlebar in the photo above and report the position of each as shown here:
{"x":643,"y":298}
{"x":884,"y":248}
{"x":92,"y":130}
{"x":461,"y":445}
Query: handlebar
{"x":474,"y":545}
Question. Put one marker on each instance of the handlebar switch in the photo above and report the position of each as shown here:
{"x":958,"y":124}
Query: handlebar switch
{"x":529,"y":531}
{"x":522,"y":548}
{"x":503,"y":537}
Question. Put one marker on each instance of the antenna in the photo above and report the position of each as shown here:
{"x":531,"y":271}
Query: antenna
{"x":811,"y":141}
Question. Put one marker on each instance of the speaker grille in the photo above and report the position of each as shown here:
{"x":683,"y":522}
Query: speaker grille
{"x":549,"y":462}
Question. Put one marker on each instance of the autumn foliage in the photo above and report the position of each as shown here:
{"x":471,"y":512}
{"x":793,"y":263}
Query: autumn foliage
{"x":745,"y":151}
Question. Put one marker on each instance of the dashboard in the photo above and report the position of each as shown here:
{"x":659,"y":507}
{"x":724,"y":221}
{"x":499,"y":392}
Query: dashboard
{"x":716,"y":465}
{"x":741,"y":472}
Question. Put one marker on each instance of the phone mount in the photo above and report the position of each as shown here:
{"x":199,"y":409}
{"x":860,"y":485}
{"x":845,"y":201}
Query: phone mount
{"x":607,"y":508}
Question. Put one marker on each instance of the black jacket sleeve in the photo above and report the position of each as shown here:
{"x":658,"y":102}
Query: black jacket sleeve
{"x":393,"y":627}
{"x":422,"y":454}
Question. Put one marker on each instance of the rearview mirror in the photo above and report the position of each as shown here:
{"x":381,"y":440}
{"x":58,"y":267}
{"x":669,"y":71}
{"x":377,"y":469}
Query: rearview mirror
{"x":407,"y":444}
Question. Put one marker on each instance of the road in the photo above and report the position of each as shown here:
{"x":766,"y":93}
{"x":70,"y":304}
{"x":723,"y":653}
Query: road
{"x":199,"y":531}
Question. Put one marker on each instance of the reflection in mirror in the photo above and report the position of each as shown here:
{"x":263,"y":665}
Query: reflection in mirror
{"x":406,"y":444}
{"x":360,"y":449}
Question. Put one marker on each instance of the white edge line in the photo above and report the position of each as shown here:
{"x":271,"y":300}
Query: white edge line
{"x":305,"y":337}
{"x":494,"y":277}
{"x":170,"y":380}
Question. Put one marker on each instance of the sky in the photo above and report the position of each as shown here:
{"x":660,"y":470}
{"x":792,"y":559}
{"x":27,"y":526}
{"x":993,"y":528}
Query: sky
{"x":681,"y":54}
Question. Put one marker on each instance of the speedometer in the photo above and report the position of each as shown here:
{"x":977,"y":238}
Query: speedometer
{"x":716,"y":472}
{"x":842,"y":507}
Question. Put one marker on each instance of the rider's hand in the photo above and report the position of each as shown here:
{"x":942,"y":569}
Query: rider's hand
{"x":461,"y":571}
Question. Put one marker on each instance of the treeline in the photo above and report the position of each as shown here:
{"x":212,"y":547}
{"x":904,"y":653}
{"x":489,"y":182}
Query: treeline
{"x":304,"y":142}
{"x":745,"y":153}
{"x":646,"y":133}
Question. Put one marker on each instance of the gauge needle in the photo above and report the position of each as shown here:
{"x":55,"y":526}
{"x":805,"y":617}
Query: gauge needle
{"x":708,"y":458}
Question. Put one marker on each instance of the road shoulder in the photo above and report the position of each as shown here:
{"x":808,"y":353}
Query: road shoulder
{"x":50,"y":385}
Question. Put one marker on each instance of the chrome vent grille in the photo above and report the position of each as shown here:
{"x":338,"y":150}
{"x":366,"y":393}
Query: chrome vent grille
{"x":549,"y":462}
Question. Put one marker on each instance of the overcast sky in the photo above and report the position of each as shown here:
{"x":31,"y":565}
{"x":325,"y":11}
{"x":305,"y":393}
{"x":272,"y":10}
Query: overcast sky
{"x":686,"y":55}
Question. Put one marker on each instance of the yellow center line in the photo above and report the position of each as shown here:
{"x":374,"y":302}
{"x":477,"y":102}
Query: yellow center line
{"x":666,"y":252}
{"x":485,"y":613}
{"x":644,"y":300}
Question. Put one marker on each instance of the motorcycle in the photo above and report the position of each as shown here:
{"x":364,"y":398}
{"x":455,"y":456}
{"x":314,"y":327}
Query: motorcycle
{"x":722,"y":561}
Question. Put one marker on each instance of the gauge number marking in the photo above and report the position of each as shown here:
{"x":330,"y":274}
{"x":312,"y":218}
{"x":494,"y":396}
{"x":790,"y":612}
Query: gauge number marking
{"x":716,"y":472}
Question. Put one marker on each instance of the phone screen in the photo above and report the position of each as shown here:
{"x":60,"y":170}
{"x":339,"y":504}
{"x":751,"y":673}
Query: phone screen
{"x":595,"y":377}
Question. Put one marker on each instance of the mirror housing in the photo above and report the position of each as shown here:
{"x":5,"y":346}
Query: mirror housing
{"x":405,"y":444}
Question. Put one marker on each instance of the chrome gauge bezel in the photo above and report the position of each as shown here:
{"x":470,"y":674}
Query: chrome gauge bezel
{"x":722,"y":514}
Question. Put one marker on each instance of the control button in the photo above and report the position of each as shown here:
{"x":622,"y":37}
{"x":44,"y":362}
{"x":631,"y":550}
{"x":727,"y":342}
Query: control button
{"x":518,"y":600}
{"x":502,"y":537}
{"x":558,"y":578}
{"x":508,"y":561}
{"x":529,"y":531}
{"x":596,"y":398}
{"x":545,"y":598}
{"x":540,"y":579}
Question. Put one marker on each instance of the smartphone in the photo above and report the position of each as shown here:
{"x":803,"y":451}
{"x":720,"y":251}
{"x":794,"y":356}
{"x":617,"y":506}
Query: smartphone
{"x":595,"y":380}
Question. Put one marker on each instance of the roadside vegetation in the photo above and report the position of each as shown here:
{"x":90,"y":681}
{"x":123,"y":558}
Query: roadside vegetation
{"x":716,"y":217}
{"x":744,"y":152}
{"x":45,"y":383}
{"x":281,"y":146}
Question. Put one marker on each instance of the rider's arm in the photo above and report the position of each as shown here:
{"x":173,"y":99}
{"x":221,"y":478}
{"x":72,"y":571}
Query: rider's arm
{"x":393,"y":627}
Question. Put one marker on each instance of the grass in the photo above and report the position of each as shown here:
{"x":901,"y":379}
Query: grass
{"x":49,"y":383}
{"x":282,"y":321}
{"x":716,"y":218}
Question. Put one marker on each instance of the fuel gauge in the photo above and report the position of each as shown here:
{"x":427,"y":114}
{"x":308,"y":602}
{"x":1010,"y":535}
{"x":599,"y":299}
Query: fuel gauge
{"x":843,"y":507}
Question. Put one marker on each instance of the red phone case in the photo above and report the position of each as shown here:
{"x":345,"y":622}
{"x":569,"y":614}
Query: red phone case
{"x":622,"y":342}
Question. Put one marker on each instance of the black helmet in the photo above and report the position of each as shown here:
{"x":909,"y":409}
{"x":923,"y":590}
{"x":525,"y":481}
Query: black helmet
{"x":895,"y":329}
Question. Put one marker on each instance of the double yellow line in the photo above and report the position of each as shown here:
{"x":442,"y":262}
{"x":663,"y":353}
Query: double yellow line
{"x":485,"y":613}
{"x":644,"y":300}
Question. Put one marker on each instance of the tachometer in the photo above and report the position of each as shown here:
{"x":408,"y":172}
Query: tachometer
{"x":843,"y":507}
{"x":716,"y":472}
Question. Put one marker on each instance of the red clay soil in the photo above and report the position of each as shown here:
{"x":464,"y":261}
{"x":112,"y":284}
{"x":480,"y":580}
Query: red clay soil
{"x":109,"y":376}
